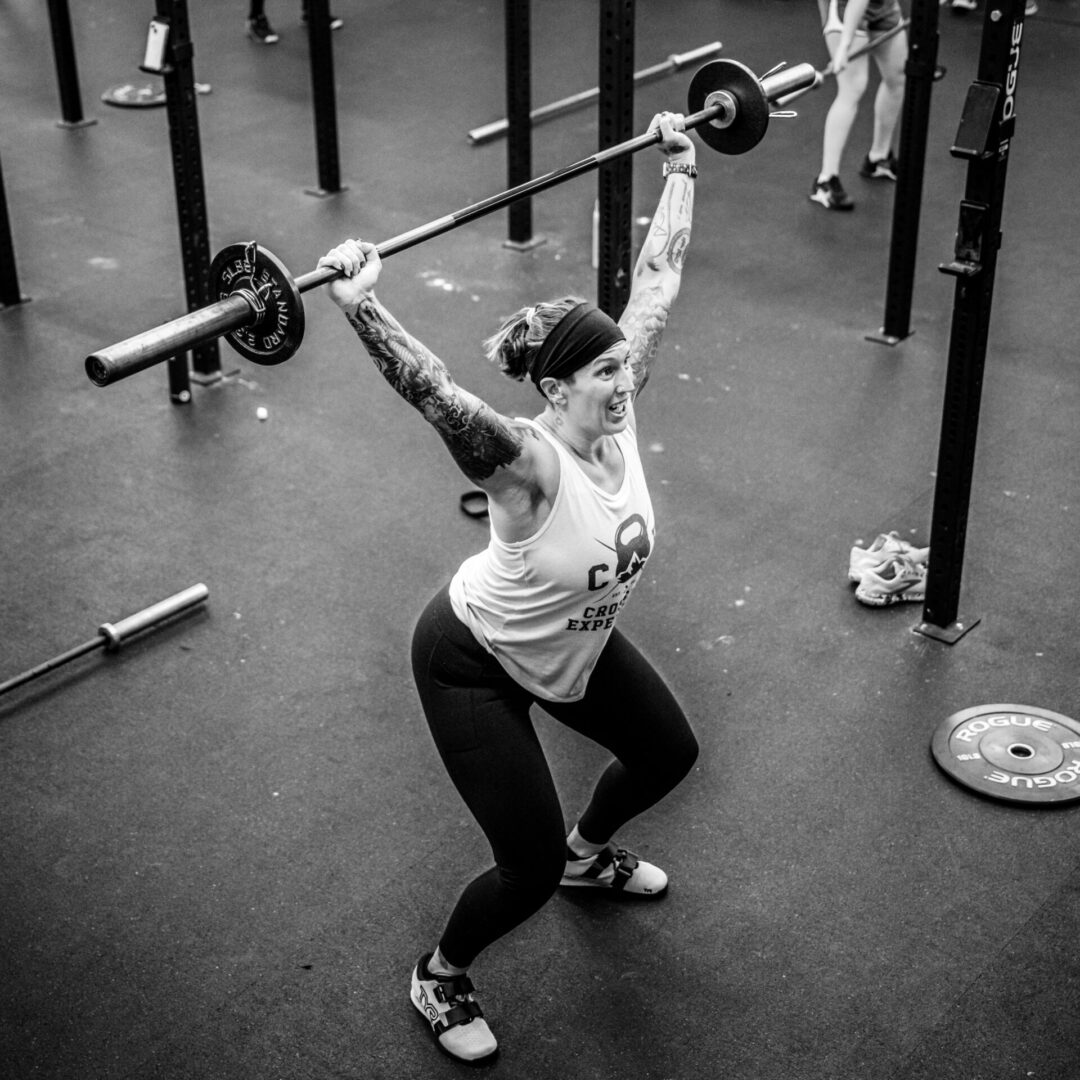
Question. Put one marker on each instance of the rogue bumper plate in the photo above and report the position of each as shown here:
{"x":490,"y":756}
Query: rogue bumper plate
{"x":1012,"y":752}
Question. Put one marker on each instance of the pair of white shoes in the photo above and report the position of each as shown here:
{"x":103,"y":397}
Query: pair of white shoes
{"x":890,"y":571}
{"x":448,"y":1002}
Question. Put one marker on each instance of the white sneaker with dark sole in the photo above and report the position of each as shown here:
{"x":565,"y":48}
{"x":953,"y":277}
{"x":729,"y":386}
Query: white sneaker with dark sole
{"x":446,"y":1002}
{"x":898,"y":581}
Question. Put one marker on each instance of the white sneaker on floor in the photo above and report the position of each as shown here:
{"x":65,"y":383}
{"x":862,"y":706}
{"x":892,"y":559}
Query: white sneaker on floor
{"x":900,"y":580}
{"x":883,"y":548}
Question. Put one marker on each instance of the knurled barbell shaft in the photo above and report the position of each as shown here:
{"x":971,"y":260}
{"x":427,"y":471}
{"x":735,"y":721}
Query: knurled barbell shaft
{"x":422,"y":233}
{"x":235,"y":311}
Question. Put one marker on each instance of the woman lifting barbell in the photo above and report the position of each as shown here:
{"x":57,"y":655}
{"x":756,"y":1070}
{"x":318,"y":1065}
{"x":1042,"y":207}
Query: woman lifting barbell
{"x":530,"y":620}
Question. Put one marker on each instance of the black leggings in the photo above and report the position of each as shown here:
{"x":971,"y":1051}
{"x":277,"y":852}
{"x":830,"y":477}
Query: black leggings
{"x":479,"y":719}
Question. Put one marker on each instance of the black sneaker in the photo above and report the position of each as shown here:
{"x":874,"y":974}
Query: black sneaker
{"x":885,"y":169}
{"x":259,"y":29}
{"x":831,"y":194}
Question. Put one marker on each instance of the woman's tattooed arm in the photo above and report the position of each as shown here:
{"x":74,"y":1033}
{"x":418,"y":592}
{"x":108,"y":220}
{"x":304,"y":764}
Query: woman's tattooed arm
{"x":479,"y":439}
{"x":657,"y":276}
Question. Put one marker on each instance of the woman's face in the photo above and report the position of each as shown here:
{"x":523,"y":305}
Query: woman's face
{"x":599,"y":395}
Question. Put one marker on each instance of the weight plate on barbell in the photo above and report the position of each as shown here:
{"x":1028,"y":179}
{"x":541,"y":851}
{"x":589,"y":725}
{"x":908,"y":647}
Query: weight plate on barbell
{"x":1012,"y":752}
{"x":751,"y":119}
{"x":263,"y":279}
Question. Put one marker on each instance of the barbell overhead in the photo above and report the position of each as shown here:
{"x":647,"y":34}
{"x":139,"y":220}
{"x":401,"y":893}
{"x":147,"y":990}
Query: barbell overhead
{"x":259,"y":310}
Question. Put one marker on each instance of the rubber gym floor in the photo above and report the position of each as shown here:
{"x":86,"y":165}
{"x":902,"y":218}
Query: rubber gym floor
{"x":225,"y":844}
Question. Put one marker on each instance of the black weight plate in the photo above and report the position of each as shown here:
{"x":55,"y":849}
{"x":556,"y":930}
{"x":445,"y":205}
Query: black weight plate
{"x":276,"y":333}
{"x":1012,"y":752}
{"x":751,"y":120}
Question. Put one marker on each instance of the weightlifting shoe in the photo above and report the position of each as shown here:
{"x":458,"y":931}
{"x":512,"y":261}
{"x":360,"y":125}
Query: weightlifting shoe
{"x":446,"y":1002}
{"x":885,"y":169}
{"x":831,"y":194}
{"x":884,"y":547}
{"x":614,"y":868}
{"x":897,"y":581}
{"x":259,"y":29}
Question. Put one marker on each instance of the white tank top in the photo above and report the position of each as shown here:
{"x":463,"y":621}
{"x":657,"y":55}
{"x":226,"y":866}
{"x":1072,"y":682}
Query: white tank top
{"x":545,"y":606}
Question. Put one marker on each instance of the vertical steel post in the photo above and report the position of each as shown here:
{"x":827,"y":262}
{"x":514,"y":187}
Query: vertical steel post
{"x":984,"y":138}
{"x":907,"y":202}
{"x":9,"y":278}
{"x":519,"y":131}
{"x":321,"y":52}
{"x":67,"y":71}
{"x":179,"y":77}
{"x":615,"y":182}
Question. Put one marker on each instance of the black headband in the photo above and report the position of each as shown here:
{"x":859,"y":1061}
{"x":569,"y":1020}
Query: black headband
{"x":580,"y":336}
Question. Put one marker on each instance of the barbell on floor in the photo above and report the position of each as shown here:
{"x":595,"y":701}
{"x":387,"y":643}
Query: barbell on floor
{"x":259,"y":310}
{"x":112,"y":635}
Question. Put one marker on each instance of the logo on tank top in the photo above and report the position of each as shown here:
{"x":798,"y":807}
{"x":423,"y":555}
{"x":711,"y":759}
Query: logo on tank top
{"x":615,"y":583}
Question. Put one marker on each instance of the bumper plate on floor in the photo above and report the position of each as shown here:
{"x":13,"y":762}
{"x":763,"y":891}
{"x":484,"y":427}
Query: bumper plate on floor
{"x":1013,"y":752}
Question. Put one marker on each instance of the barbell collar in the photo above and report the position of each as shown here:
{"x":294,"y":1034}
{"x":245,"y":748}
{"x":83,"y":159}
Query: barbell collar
{"x":725,"y":106}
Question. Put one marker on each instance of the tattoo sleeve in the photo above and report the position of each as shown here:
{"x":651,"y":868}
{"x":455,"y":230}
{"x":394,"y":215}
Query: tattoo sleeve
{"x":478,"y":438}
{"x":657,"y":276}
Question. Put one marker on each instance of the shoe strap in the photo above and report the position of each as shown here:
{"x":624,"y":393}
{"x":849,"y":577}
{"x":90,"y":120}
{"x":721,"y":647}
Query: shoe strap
{"x":454,"y":991}
{"x":464,"y":1012}
{"x":448,"y":987}
{"x":623,"y":862}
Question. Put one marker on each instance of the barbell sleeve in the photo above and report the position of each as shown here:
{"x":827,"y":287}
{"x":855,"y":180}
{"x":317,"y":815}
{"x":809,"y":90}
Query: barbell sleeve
{"x":197,"y":327}
{"x":116,"y":634}
{"x":111,"y":636}
{"x":787,"y":81}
